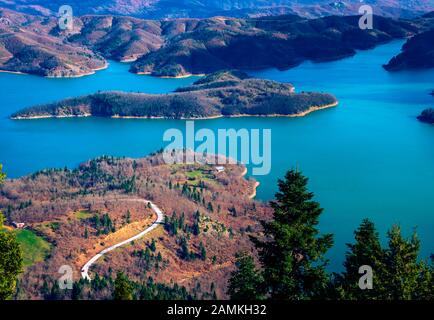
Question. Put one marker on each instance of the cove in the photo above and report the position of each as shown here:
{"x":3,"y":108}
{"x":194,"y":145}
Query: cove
{"x":368,"y":157}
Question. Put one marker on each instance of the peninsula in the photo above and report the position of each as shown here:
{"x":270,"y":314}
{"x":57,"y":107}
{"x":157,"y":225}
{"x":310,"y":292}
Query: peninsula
{"x":224,"y":93}
{"x":208,"y":217}
{"x":417,"y":53}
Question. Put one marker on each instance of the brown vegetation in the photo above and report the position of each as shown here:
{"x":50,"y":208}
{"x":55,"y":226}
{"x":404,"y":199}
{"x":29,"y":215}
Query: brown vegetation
{"x":61,"y":206}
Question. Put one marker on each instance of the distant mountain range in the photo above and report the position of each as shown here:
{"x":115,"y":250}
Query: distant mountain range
{"x":157,"y":9}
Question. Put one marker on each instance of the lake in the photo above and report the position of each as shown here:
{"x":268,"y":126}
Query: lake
{"x":369,"y":157}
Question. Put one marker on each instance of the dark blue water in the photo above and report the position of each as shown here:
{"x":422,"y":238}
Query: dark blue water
{"x":369,"y":157}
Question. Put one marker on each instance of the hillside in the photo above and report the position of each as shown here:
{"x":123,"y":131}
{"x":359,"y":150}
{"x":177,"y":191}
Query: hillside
{"x":35,"y":44}
{"x":280,"y":42}
{"x":81,"y":211}
{"x":225,"y":93}
{"x":417,"y":53}
{"x":26,"y":46}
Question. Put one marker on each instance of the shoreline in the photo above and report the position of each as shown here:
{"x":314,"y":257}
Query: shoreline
{"x":277,"y":115}
{"x":14,"y":72}
{"x":255,"y":186}
{"x":300,"y":114}
{"x":187,"y":75}
{"x":253,"y":194}
{"x":244,"y":172}
{"x":128,"y":60}
{"x":62,"y":77}
{"x":86,"y":115}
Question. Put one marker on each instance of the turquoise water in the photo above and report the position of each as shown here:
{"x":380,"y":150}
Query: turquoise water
{"x":369,"y":157}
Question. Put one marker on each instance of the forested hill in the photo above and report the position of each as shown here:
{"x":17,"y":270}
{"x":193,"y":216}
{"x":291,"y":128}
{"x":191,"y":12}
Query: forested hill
{"x":225,"y":93}
{"x":417,"y":53}
{"x":280,"y":42}
{"x":36,"y":45}
{"x":208,"y":218}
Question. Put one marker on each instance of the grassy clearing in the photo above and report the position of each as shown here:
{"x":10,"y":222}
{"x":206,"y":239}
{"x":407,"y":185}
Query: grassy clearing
{"x":195,"y":174}
{"x":82,"y":215}
{"x":35,"y":248}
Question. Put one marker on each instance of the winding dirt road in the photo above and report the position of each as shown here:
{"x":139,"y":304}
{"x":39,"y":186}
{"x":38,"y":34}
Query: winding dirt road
{"x":157,"y":222}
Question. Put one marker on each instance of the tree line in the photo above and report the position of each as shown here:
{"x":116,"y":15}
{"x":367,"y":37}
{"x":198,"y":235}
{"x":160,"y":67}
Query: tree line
{"x":292,"y":264}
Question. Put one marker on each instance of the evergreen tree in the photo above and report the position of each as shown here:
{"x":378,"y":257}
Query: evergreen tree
{"x":123,"y":288}
{"x":292,"y":253}
{"x":153,"y":245}
{"x":182,"y":221}
{"x":45,"y":291}
{"x":365,"y":251}
{"x":210,"y":207}
{"x":55,"y":293}
{"x":128,"y":217}
{"x":195,"y":229}
{"x":184,"y":252}
{"x":202,"y":251}
{"x":425,"y":286}
{"x":397,"y":273}
{"x":402,"y":265}
{"x":245,"y":282}
{"x":159,"y":257}
{"x":96,"y":222}
{"x":77,"y":289}
{"x":11,"y":257}
{"x":2,"y":174}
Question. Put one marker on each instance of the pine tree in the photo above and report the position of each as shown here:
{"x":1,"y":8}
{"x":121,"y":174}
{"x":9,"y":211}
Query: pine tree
{"x":397,"y":273}
{"x":2,"y":174}
{"x":123,"y":289}
{"x":202,"y":251}
{"x":128,"y":217}
{"x":182,"y":221}
{"x":292,"y":254}
{"x":210,"y":207}
{"x":425,"y":287}
{"x":245,"y":282}
{"x":55,"y":293}
{"x":77,"y":289}
{"x":365,"y":251}
{"x":402,"y":265}
{"x":153,"y":245}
